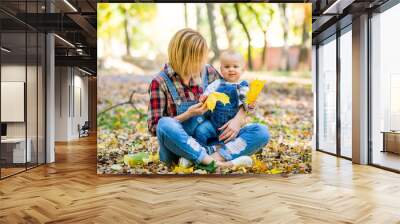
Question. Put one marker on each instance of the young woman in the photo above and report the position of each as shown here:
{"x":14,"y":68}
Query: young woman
{"x":175,"y":111}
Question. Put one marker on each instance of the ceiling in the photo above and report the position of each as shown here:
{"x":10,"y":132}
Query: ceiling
{"x":73,"y":21}
{"x":332,"y":15}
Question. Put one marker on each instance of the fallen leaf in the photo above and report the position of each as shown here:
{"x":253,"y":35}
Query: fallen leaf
{"x":182,"y":170}
{"x":155,"y":158}
{"x":258,"y":165}
{"x":116,"y":167}
{"x":136,"y":159}
{"x":200,"y":171}
{"x":212,"y":167}
{"x":276,"y":171}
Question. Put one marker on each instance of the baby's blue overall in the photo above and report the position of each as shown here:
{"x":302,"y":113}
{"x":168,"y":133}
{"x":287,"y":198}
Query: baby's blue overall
{"x":207,"y":132}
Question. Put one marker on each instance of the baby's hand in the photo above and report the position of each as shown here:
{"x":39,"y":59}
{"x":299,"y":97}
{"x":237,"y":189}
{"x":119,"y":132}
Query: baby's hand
{"x":203,"y":98}
{"x":252,"y":106}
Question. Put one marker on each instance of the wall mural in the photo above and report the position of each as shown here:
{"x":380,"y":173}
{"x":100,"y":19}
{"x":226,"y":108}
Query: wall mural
{"x":206,"y":88}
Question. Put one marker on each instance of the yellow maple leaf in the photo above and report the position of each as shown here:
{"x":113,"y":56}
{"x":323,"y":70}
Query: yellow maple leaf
{"x":214,"y":97}
{"x":182,"y":170}
{"x":254,"y":90}
{"x":276,"y":171}
{"x":155,"y":158}
{"x":258,"y":165}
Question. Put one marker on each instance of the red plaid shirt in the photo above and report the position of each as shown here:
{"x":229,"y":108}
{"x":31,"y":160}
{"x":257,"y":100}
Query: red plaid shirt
{"x":161,"y":103}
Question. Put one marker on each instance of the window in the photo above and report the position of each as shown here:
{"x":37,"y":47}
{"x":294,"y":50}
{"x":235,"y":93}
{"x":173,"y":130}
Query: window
{"x":346,"y":93}
{"x":385,"y":89}
{"x":327,"y":96}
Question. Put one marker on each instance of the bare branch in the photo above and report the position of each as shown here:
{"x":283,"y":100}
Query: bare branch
{"x":130,"y":102}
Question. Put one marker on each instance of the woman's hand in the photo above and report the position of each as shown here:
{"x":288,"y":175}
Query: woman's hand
{"x":203,"y":98}
{"x":232,"y":127}
{"x":192,"y":111}
{"x":197,"y":109}
{"x":230,"y":130}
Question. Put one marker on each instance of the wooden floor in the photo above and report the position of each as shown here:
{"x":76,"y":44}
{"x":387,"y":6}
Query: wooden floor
{"x":10,"y":171}
{"x":387,"y":159}
{"x":70,"y":191}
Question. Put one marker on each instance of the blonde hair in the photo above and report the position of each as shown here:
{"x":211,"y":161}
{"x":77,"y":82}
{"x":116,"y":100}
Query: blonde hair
{"x":187,"y":52}
{"x":230,"y":52}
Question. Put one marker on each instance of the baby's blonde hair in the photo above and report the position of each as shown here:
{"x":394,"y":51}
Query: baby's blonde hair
{"x":187,"y":52}
{"x":230,"y":52}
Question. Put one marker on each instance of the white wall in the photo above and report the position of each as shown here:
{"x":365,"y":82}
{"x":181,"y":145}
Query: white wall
{"x":12,"y":73}
{"x":62,"y":82}
{"x":33,"y":126}
{"x":71,"y":87}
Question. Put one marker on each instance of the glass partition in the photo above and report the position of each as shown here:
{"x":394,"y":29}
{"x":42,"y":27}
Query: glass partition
{"x":22,"y":88}
{"x":346,"y":93}
{"x":14,"y":151}
{"x":41,"y":109}
{"x":327,"y":96}
{"x":31,"y":99}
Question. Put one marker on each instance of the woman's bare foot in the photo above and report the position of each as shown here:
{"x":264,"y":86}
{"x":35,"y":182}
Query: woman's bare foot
{"x":224,"y":165}
{"x":216,"y":154}
{"x":217,"y":157}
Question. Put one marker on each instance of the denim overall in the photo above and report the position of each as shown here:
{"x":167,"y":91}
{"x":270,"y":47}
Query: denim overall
{"x":204,"y":78}
{"x":191,"y":124}
{"x":223,"y":113}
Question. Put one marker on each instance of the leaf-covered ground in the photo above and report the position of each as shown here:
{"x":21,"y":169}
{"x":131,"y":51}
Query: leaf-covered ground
{"x":284,"y":106}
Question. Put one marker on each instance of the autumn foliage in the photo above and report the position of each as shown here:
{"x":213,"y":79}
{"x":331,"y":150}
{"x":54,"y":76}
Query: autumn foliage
{"x":126,"y":147}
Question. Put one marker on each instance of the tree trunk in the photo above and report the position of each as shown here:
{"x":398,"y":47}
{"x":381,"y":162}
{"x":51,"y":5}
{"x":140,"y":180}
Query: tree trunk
{"x":264,"y":52}
{"x":239,"y":18}
{"x":228,"y":26}
{"x":186,"y":14}
{"x":303,"y":49}
{"x":264,"y":30}
{"x":126,"y":31}
{"x":198,"y":17}
{"x":211,"y":19}
{"x":285,"y":58}
{"x":303,"y":56}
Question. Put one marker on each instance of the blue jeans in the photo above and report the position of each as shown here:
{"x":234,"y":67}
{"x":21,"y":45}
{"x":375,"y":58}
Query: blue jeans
{"x":206,"y":133}
{"x":175,"y":142}
{"x":251,"y":139}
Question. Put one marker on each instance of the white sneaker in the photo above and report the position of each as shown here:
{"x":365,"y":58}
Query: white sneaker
{"x":242,"y":161}
{"x":185,"y":163}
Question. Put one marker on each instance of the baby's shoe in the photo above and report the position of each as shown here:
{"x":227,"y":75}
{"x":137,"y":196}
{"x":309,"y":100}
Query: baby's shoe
{"x":242,"y":161}
{"x":185,"y":163}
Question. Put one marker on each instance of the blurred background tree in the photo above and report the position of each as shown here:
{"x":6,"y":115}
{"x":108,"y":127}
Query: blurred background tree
{"x":124,"y":22}
{"x":273,"y":38}
{"x":263,"y":14}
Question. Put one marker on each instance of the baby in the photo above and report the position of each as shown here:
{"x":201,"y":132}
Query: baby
{"x":208,"y":131}
{"x":232,"y":68}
